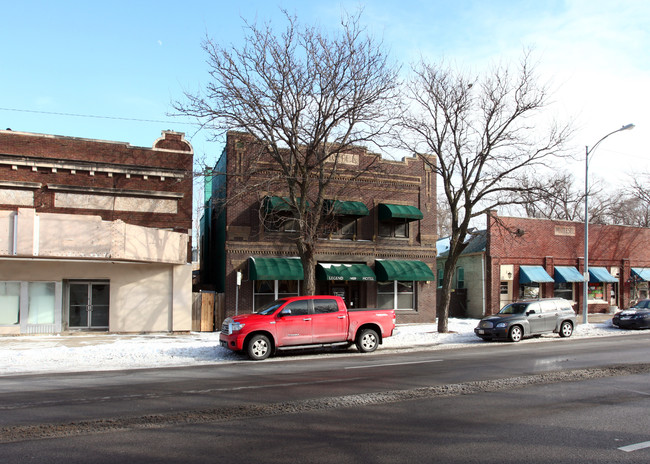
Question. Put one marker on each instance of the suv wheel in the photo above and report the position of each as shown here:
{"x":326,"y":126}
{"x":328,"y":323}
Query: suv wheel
{"x":515,"y":334}
{"x":566,"y":329}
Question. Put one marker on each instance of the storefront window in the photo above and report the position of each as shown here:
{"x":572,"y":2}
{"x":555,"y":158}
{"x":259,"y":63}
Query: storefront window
{"x":529,"y":291}
{"x":563,"y":290}
{"x":266,"y":291}
{"x":41,"y":303}
{"x":9,"y":303}
{"x":396,"y":295}
{"x":596,"y":291}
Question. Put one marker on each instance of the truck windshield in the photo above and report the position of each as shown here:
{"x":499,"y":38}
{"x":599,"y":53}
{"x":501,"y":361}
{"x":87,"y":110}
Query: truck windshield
{"x":514,"y":308}
{"x":271,"y":307}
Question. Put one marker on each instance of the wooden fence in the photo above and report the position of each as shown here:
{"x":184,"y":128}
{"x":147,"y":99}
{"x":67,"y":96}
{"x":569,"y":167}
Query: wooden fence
{"x":208,"y":311}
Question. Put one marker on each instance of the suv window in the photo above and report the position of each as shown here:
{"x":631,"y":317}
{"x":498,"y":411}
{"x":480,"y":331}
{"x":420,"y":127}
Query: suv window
{"x":548,"y":306}
{"x":534,"y":307}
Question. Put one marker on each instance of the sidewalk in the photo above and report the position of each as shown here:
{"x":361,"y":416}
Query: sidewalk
{"x":84,"y":352}
{"x":82,"y":339}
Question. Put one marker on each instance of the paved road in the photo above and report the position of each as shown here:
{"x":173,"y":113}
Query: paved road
{"x":558,"y":400}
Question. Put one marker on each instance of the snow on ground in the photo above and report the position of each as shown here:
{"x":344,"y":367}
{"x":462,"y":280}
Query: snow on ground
{"x":96,"y":352}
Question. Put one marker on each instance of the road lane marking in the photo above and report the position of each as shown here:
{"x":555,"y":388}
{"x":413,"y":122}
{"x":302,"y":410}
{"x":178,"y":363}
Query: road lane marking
{"x":635,"y":447}
{"x":394,"y":364}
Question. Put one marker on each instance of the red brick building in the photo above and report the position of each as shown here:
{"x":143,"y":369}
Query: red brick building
{"x":379,"y":249}
{"x":538,"y":257}
{"x":94,"y":234}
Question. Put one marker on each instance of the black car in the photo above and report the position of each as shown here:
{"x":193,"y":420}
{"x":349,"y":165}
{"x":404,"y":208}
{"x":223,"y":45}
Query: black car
{"x":636,"y":317}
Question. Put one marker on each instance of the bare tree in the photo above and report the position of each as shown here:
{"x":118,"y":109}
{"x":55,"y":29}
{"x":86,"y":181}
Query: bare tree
{"x":631,"y":205}
{"x":482,"y":134}
{"x":556,"y":196}
{"x":308,"y":98}
{"x":443,"y":220}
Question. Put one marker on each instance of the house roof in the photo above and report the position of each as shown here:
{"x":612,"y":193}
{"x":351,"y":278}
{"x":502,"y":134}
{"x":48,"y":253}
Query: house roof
{"x":477,"y":243}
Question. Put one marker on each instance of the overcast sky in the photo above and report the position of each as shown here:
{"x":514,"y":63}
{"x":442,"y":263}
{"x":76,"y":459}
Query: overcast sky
{"x":121,"y":63}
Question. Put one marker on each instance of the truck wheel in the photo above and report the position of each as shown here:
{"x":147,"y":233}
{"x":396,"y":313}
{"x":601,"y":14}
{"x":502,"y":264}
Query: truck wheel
{"x":259,"y":347}
{"x":367,"y":341}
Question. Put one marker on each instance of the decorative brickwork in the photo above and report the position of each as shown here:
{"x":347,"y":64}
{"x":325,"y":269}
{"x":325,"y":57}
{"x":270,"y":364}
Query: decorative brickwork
{"x":150,"y":187}
{"x":548,"y":243}
{"x":405,"y":182}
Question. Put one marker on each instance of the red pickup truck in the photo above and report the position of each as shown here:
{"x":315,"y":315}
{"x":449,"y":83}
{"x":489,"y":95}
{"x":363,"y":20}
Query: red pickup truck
{"x":306,"y":322}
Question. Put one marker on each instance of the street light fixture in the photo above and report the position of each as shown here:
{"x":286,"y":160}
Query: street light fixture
{"x":585,"y":294}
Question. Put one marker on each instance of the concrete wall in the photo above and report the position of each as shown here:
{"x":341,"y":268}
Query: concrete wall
{"x":143,"y":297}
{"x":27,"y":234}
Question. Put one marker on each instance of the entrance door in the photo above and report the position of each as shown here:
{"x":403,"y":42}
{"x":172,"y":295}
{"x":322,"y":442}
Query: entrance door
{"x":88,"y":304}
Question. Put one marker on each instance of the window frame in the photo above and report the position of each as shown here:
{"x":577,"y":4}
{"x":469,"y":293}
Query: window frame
{"x":395,"y":292}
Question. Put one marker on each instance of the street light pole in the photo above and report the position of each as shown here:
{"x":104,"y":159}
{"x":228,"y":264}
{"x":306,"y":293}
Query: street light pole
{"x":585,"y":292}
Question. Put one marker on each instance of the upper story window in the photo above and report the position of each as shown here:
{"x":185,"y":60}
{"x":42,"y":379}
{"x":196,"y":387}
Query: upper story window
{"x":341,"y":217}
{"x":342,"y":227}
{"x":279,"y":215}
{"x":394,"y":219}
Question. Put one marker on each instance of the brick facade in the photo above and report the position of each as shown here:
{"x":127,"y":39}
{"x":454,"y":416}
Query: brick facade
{"x":513,"y":242}
{"x":56,"y":174}
{"x":405,"y":182}
{"x":94,"y":234}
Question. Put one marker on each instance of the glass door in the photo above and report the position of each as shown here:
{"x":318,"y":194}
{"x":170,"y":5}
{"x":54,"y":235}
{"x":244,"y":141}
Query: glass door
{"x":88,"y":304}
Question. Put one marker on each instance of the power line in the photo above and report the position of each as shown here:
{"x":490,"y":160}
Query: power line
{"x":96,"y":116}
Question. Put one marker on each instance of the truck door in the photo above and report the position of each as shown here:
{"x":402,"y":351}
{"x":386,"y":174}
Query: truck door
{"x":329,"y":324}
{"x":295,"y":328}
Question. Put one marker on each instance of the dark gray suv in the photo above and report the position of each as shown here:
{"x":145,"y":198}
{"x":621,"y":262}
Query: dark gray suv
{"x":529,"y":318}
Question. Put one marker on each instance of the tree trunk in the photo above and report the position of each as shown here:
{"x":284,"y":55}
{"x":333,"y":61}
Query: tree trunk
{"x":308,"y":258}
{"x":445,"y":297}
{"x":447,"y":282}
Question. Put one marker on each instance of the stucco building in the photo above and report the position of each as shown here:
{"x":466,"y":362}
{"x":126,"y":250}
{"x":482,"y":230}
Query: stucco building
{"x":517,"y":258}
{"x":94,"y":235}
{"x":378,"y":250}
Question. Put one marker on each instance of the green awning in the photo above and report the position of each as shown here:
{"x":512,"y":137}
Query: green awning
{"x":275,"y":269}
{"x":278,"y":204}
{"x":536,"y":274}
{"x":346,"y":208}
{"x":391,"y":212}
{"x":643,"y":273}
{"x":387,"y":270}
{"x":565,"y":274}
{"x":600,"y":274}
{"x":338,"y":271}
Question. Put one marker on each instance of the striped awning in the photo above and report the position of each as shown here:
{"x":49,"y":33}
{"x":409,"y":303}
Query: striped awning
{"x":533,"y":274}
{"x":391,"y":212}
{"x":346,"y":208}
{"x":643,"y":273}
{"x":387,"y":270}
{"x":275,"y":269}
{"x":568,"y":274}
{"x":601,"y":274}
{"x":344,"y":271}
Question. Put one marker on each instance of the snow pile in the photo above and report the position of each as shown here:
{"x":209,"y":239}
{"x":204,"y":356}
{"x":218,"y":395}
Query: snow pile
{"x":95,"y":352}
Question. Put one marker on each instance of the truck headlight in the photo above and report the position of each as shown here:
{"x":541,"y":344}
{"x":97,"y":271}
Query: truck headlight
{"x":236,"y":326}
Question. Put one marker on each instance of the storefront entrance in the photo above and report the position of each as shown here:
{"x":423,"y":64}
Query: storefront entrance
{"x":88,"y":305}
{"x":349,"y":291}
